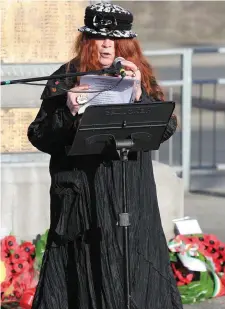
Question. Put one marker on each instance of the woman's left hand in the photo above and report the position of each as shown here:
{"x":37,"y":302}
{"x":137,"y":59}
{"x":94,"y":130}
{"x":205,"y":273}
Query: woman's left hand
{"x":133,"y":71}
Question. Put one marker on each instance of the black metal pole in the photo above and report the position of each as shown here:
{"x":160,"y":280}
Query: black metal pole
{"x":127,"y":290}
{"x":123,"y":148}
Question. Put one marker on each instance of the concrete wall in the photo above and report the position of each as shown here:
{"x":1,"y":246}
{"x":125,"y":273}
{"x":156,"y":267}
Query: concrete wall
{"x":25,"y":197}
{"x":178,"y":22}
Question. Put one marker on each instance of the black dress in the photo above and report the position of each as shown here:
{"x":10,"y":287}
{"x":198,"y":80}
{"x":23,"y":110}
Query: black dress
{"x":83,"y":263}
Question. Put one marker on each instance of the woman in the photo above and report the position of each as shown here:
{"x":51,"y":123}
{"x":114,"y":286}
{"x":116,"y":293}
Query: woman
{"x":83,"y":262}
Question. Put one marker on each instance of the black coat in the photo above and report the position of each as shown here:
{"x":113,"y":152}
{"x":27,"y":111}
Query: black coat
{"x":83,"y":262}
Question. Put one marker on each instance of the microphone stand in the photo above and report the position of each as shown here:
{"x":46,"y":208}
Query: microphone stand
{"x":59,"y":76}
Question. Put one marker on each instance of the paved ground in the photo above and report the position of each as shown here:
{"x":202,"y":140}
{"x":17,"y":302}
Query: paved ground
{"x":218,"y":303}
{"x":210,"y":212}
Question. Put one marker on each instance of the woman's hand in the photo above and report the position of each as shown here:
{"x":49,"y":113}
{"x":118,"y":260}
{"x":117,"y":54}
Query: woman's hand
{"x":133,"y":71}
{"x":72,"y":96}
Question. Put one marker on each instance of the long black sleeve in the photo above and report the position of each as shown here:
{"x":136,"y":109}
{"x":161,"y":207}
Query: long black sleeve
{"x":170,"y":129}
{"x":53,"y":127}
{"x":172,"y":124}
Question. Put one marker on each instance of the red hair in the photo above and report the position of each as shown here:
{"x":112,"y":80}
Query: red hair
{"x":86,"y":54}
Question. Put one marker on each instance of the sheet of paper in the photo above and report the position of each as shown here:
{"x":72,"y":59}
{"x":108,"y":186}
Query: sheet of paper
{"x":110,"y":90}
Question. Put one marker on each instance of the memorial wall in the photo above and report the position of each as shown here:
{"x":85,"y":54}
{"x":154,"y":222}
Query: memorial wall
{"x":39,"y":31}
{"x":33,"y":32}
{"x":14,"y":125}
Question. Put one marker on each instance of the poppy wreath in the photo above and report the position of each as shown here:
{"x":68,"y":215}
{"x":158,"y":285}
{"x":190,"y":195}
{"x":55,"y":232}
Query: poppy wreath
{"x":198,"y":265}
{"x":197,"y":262}
{"x":19,"y":270}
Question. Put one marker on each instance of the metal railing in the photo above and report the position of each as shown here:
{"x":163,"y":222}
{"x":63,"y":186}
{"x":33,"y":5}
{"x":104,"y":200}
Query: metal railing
{"x":215,"y":108}
{"x":185,"y":83}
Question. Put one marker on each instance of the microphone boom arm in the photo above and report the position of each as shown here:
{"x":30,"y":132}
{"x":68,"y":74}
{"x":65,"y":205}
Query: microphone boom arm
{"x":59,"y":76}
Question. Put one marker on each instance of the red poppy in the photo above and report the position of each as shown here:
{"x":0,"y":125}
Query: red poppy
{"x":21,"y":266}
{"x":5,"y":256}
{"x":27,"y":247}
{"x":223,"y":279}
{"x":217,"y":267}
{"x":18,"y":293}
{"x":19,"y":255}
{"x":221,"y":248}
{"x":211,"y":241}
{"x":202,"y":249}
{"x":222,"y":263}
{"x":31,"y":262}
{"x":214,"y":254}
{"x":27,"y":299}
{"x":18,"y":283}
{"x":28,"y":278}
{"x":9,"y":243}
{"x":17,"y":287}
{"x":3,"y":245}
{"x":182,"y":278}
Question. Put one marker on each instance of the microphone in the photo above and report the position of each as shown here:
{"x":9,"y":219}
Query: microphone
{"x":118,"y":66}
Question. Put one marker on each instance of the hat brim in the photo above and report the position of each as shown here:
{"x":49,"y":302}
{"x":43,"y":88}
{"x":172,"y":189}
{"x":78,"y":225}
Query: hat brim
{"x":126,"y":34}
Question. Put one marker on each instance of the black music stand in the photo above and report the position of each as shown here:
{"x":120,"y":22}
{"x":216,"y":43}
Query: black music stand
{"x":118,"y":129}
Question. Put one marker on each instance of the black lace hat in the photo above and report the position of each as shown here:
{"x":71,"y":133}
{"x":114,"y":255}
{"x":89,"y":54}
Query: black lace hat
{"x":108,"y":20}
